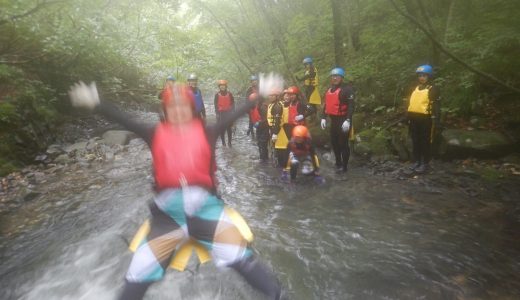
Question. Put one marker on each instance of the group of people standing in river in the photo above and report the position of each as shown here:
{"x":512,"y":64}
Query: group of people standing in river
{"x":187,"y":213}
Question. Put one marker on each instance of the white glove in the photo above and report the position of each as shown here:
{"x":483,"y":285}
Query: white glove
{"x":323,"y":124}
{"x":298,"y":118}
{"x":274,"y":137}
{"x":345,"y":126}
{"x":84,"y":96}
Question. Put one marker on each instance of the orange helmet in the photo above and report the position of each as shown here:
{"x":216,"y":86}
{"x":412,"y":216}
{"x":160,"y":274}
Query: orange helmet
{"x":177,"y":93}
{"x":300,"y":131}
{"x":222,"y":82}
{"x":293,"y":90}
{"x":253,"y":97}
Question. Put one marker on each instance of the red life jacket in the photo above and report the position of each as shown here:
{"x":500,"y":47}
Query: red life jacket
{"x":254,"y":115}
{"x":293,"y":112}
{"x":182,"y":155}
{"x":332,"y":104}
{"x":224,"y":102}
{"x":301,"y":149}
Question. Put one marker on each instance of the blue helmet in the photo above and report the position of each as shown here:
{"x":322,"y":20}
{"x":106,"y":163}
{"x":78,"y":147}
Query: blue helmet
{"x":307,"y":60}
{"x":337,"y":71}
{"x":170,"y":77}
{"x":253,"y":77}
{"x":427,"y":69}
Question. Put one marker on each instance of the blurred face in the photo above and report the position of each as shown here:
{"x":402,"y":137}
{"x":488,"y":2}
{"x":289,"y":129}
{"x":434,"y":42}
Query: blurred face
{"x":178,"y":112}
{"x":298,"y":139}
{"x":423,"y":78}
{"x":336,"y":79}
{"x":170,"y":83}
{"x":291,"y":97}
{"x":272,"y":98}
{"x":192,"y":83}
{"x":222,"y":88}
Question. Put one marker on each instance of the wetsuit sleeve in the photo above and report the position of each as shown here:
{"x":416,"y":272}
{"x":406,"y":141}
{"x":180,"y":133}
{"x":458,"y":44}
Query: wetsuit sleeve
{"x":302,"y":109}
{"x":203,"y":111}
{"x":112,"y":113}
{"x":276,"y":112}
{"x":435,"y":98}
{"x":232,"y":101}
{"x":347,"y":95}
{"x":215,"y":102}
{"x":223,"y":123}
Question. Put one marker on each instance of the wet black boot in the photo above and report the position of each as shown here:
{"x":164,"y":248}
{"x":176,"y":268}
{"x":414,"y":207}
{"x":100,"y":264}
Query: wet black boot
{"x":259,"y":277}
{"x":134,"y":290}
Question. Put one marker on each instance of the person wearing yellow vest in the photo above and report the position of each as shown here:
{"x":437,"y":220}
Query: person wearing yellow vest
{"x":423,"y":110}
{"x":282,"y":129}
{"x":339,"y":107}
{"x":224,"y":106}
{"x":310,"y":85}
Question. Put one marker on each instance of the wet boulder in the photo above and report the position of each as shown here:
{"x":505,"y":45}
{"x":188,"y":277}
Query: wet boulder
{"x":79,"y":146}
{"x":460,"y":143}
{"x":373,"y":142}
{"x":117,"y":137}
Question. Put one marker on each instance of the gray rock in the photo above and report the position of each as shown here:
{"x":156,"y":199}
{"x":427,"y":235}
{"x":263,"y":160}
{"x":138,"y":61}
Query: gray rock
{"x":80,"y":146}
{"x":62,"y":159}
{"x":459,"y":143}
{"x":54,"y":149}
{"x":117,"y":137}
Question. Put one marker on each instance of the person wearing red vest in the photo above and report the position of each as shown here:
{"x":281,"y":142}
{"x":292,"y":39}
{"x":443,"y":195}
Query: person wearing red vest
{"x":186,"y":206}
{"x":251,"y":90}
{"x":302,"y":153}
{"x":259,"y":117}
{"x":339,"y":107}
{"x":297,"y":111}
{"x":224,"y":106}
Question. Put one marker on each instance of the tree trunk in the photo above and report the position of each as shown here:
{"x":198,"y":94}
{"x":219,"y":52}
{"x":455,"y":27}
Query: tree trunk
{"x":451,"y":55}
{"x":337,"y":27}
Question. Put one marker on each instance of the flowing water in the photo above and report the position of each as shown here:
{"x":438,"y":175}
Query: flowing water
{"x":360,"y":236}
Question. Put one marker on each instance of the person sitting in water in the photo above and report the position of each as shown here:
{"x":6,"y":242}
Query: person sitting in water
{"x":302,"y":153}
{"x":186,"y":206}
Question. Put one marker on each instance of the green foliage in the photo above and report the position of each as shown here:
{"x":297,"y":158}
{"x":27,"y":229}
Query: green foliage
{"x":129,"y":47}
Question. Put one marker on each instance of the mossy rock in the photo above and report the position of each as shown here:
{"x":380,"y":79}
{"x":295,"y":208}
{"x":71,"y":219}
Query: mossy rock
{"x":401,"y":142}
{"x":320,"y":137}
{"x":373,"y":141}
{"x":459,"y":143}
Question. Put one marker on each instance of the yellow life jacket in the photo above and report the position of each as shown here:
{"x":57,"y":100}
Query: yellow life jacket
{"x":311,"y":81}
{"x":270,"y":117}
{"x":420,"y":101}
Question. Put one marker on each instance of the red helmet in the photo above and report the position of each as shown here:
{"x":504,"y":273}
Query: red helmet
{"x":300,"y":131}
{"x":222,"y":82}
{"x":177,"y":93}
{"x":293,"y":90}
{"x":253,"y":97}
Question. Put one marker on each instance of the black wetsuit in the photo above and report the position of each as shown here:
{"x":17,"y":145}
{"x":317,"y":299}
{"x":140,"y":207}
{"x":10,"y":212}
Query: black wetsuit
{"x":338,"y":138}
{"x":262,"y":132}
{"x":225,"y":115}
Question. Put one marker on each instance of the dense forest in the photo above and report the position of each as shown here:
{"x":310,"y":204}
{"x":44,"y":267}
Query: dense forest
{"x":129,"y":47}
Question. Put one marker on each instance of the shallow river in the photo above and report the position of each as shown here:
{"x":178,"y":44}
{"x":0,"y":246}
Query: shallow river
{"x":362,"y":236}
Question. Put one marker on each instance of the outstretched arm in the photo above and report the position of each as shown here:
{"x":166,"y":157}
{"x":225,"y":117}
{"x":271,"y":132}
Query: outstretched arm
{"x":112,"y":113}
{"x":225,"y":121}
{"x":86,"y":96}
